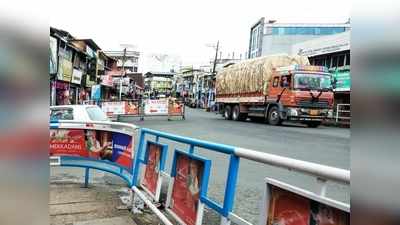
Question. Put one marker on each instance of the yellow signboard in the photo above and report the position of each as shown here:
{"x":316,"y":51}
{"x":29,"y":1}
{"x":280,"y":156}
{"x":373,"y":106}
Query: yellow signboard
{"x":64,"y":70}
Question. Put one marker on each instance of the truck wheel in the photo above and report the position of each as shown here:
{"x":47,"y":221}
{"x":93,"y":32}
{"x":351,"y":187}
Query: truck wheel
{"x":313,"y":124}
{"x":273,"y":116}
{"x":228,"y":112}
{"x":236,"y":113}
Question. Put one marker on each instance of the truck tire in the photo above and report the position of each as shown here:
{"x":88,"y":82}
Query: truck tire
{"x":273,"y":116}
{"x":313,"y":124}
{"x":228,"y":112}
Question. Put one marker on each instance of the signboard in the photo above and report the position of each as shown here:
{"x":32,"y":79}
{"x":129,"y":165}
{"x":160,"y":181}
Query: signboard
{"x":90,"y":52}
{"x":96,"y":94}
{"x":76,"y":76}
{"x":107,"y":80}
{"x":175,"y":108}
{"x":89,"y":83}
{"x":120,"y":108}
{"x":323,"y":45}
{"x":156,"y":107}
{"x":95,"y":144}
{"x":155,"y":161}
{"x":53,"y":56}
{"x":289,"y":205}
{"x":64,"y":70}
{"x":343,"y":80}
{"x":189,"y":184}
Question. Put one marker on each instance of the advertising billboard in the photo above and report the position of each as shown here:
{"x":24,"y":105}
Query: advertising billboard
{"x":156,"y":107}
{"x":175,"y":108}
{"x":154,"y":160}
{"x":96,"y":92}
{"x":120,"y":108}
{"x":94,"y":144}
{"x":190,"y":182}
{"x":76,"y":76}
{"x":64,"y":70}
{"x":343,"y":80}
{"x":288,"y":205}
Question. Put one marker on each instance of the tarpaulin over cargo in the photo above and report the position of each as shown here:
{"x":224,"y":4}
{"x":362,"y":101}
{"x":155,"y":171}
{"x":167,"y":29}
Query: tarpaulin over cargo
{"x":253,"y":75}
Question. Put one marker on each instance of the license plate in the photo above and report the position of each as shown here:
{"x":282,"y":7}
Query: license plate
{"x":314,"y":112}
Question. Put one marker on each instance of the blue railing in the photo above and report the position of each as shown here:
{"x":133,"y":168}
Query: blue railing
{"x":323,"y":173}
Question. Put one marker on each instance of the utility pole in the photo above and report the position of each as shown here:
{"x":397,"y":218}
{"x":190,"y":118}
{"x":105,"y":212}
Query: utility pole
{"x":215,"y":59}
{"x":122,"y":74}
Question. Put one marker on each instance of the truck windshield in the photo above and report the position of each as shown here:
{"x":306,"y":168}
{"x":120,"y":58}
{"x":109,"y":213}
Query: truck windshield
{"x":312,"y":82}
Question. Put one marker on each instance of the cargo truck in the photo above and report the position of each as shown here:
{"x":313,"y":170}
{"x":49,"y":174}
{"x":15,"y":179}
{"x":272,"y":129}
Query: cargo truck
{"x":275,"y":89}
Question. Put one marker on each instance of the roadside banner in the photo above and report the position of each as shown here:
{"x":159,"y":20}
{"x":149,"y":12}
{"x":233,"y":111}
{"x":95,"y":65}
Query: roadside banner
{"x":156,"y":107}
{"x":94,"y":144}
{"x":190,"y":182}
{"x":289,"y":205}
{"x":120,"y":108}
{"x":155,"y":156}
{"x":175,"y":108}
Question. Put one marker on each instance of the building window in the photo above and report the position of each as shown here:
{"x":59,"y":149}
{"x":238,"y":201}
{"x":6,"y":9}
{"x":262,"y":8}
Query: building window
{"x":341,"y":61}
{"x":334,"y":61}
{"x":347,"y":59}
{"x":306,"y":30}
{"x":276,"y":82}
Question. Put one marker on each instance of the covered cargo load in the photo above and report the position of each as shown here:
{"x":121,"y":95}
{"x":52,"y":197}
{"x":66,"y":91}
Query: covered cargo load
{"x":252,"y":76}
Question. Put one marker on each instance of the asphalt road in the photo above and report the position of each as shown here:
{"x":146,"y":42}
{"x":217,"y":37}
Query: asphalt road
{"x":324,"y":145}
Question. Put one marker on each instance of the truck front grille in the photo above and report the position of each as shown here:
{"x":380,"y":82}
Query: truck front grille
{"x":316,"y":104}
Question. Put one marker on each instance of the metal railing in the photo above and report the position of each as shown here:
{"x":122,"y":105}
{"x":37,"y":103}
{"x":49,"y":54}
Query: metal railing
{"x":321,"y":172}
{"x":343,"y":112}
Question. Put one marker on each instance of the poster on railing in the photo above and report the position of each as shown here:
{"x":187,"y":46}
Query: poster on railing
{"x":151,"y":180}
{"x":94,"y":144}
{"x":156,"y":107}
{"x":175,"y":108}
{"x":188,"y":173}
{"x":285,"y":207}
{"x":120,"y":108}
{"x":113,"y":108}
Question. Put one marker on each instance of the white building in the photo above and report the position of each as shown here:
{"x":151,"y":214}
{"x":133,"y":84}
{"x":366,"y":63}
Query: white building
{"x":271,"y":37}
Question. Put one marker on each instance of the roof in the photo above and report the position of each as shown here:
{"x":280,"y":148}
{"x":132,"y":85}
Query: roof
{"x":89,"y":42}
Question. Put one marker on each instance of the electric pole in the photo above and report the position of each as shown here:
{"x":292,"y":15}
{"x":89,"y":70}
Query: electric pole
{"x":122,"y":74}
{"x":215,"y":59}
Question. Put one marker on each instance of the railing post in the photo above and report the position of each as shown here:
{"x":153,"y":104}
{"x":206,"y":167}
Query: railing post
{"x":323,"y":185}
{"x":225,"y":221}
{"x":231,"y":185}
{"x":86,"y":177}
{"x":337,"y":113}
{"x":191,"y":149}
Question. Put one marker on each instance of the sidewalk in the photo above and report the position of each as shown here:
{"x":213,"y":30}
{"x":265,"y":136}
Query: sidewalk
{"x":99,"y":204}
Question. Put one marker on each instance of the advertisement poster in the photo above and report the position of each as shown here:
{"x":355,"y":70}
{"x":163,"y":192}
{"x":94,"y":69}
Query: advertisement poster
{"x":287,"y":208}
{"x":152,"y":170}
{"x":343,"y":80}
{"x":186,"y":188}
{"x":156,"y":107}
{"x":64,"y":70}
{"x":175,"y":108}
{"x":113,"y":108}
{"x":94,"y":144}
{"x":76,"y":76}
{"x":120,"y":108}
{"x":131,"y":108}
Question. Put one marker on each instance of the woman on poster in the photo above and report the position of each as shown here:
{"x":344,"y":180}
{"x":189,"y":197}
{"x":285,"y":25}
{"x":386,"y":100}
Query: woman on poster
{"x":96,"y":150}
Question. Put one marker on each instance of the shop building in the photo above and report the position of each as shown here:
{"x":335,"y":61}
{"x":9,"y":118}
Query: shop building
{"x":272,"y":37}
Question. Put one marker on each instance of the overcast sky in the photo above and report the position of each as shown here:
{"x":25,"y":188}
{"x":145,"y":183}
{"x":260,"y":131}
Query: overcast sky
{"x":182,"y":28}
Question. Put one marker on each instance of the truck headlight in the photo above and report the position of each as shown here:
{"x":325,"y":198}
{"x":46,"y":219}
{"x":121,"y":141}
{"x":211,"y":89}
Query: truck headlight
{"x":293,"y":112}
{"x":330,"y":113}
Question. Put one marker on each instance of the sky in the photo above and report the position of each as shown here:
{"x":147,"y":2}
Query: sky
{"x":182,"y":29}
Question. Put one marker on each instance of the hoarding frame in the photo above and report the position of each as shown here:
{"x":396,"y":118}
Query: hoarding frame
{"x":203,"y":187}
{"x":264,"y":207}
{"x":163,"y":158}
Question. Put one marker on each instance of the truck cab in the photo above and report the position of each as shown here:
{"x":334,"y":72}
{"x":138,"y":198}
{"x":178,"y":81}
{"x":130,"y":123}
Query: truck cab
{"x":299,"y":93}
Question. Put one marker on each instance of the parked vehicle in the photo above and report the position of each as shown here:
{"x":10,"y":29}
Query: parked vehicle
{"x":87,"y":113}
{"x":275,"y":89}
